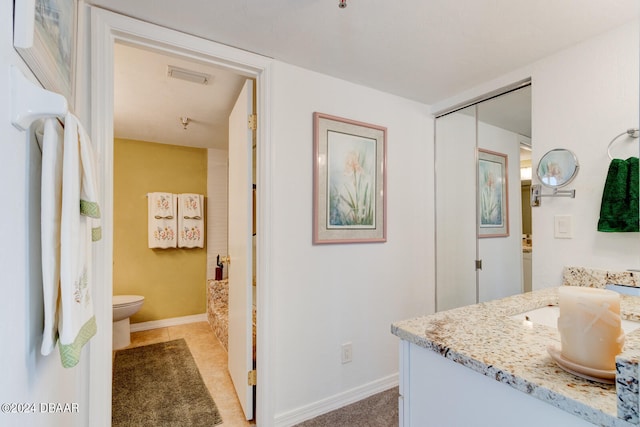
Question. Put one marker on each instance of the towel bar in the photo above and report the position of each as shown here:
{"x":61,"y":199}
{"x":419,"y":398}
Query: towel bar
{"x":631,"y":132}
{"x":31,"y":102}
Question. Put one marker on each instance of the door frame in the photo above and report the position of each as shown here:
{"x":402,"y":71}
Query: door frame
{"x":107,"y":28}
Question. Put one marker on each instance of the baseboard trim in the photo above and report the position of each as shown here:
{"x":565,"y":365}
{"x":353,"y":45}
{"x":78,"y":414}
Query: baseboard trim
{"x":163,"y":323}
{"x":334,"y":402}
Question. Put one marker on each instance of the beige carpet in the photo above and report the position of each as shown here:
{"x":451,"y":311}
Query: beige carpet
{"x":379,"y":410}
{"x":160,"y":385}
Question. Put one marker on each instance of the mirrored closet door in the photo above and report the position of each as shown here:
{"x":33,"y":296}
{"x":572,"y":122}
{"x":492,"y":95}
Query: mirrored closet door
{"x":479,"y":207}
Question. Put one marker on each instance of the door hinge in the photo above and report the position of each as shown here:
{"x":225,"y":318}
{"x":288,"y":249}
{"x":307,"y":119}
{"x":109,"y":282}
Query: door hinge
{"x":253,"y":121}
{"x":252,"y":377}
{"x":478,"y":264}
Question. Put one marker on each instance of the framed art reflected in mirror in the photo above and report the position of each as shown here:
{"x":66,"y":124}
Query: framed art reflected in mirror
{"x":493,"y":198}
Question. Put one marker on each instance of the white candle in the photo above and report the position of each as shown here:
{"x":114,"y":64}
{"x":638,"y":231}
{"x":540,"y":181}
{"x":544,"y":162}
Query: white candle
{"x":590,"y":326}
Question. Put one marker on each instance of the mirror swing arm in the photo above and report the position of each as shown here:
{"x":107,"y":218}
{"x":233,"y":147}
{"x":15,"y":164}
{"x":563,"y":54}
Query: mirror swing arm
{"x":537,"y":194}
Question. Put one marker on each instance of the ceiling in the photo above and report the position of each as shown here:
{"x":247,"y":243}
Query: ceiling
{"x":425,"y":50}
{"x":149,"y":105}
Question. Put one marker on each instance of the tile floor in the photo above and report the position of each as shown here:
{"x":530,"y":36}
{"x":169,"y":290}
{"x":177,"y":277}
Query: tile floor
{"x":211,"y":359}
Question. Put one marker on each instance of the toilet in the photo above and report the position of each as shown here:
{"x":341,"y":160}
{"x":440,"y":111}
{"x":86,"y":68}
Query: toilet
{"x":124,"y":306}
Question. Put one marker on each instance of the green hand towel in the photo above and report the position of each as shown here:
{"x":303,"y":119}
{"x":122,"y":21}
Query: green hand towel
{"x":620,"y":208}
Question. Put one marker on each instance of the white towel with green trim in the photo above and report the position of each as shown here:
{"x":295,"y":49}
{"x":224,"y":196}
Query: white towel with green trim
{"x":79,"y":229}
{"x":51,"y":206}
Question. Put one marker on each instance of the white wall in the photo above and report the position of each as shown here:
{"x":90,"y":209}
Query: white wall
{"x":326,"y":295}
{"x":582,"y":97}
{"x":217,"y":202}
{"x":27,"y":377}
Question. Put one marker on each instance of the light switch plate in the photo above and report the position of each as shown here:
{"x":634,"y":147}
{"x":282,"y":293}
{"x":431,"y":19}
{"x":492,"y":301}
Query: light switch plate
{"x":563,"y":227}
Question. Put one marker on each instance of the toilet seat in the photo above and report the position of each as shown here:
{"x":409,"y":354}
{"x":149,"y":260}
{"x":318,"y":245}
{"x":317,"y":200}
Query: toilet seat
{"x":126,"y":300}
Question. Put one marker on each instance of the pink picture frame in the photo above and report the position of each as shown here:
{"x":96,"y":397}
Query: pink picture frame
{"x":349,"y":181}
{"x":493,"y":194}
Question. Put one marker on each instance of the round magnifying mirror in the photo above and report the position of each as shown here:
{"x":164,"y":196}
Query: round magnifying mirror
{"x":557,"y":168}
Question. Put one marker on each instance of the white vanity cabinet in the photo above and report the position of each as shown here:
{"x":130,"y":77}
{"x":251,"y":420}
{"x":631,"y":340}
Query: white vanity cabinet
{"x":435,"y":391}
{"x":483,"y":365}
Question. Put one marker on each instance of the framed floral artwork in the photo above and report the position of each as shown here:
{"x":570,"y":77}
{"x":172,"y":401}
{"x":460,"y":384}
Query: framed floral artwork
{"x":349,"y":174}
{"x":493,"y":199}
{"x":44,"y":34}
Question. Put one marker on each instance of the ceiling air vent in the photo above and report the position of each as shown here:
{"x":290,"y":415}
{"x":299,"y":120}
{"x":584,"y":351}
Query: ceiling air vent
{"x":188,"y":75}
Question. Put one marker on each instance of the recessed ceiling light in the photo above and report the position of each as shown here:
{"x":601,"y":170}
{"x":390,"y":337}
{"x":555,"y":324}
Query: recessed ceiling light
{"x":188,"y":75}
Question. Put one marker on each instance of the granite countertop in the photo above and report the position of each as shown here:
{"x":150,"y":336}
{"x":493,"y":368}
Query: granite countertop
{"x":485,"y":338}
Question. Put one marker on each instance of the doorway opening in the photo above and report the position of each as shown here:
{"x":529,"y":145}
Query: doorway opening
{"x":109,"y":29}
{"x":172,"y":136}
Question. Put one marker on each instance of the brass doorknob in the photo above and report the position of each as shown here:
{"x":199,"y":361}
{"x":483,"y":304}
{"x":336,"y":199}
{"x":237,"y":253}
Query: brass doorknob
{"x":225,"y":259}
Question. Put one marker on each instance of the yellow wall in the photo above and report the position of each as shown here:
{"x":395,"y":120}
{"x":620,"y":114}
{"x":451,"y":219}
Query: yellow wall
{"x":173,"y":281}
